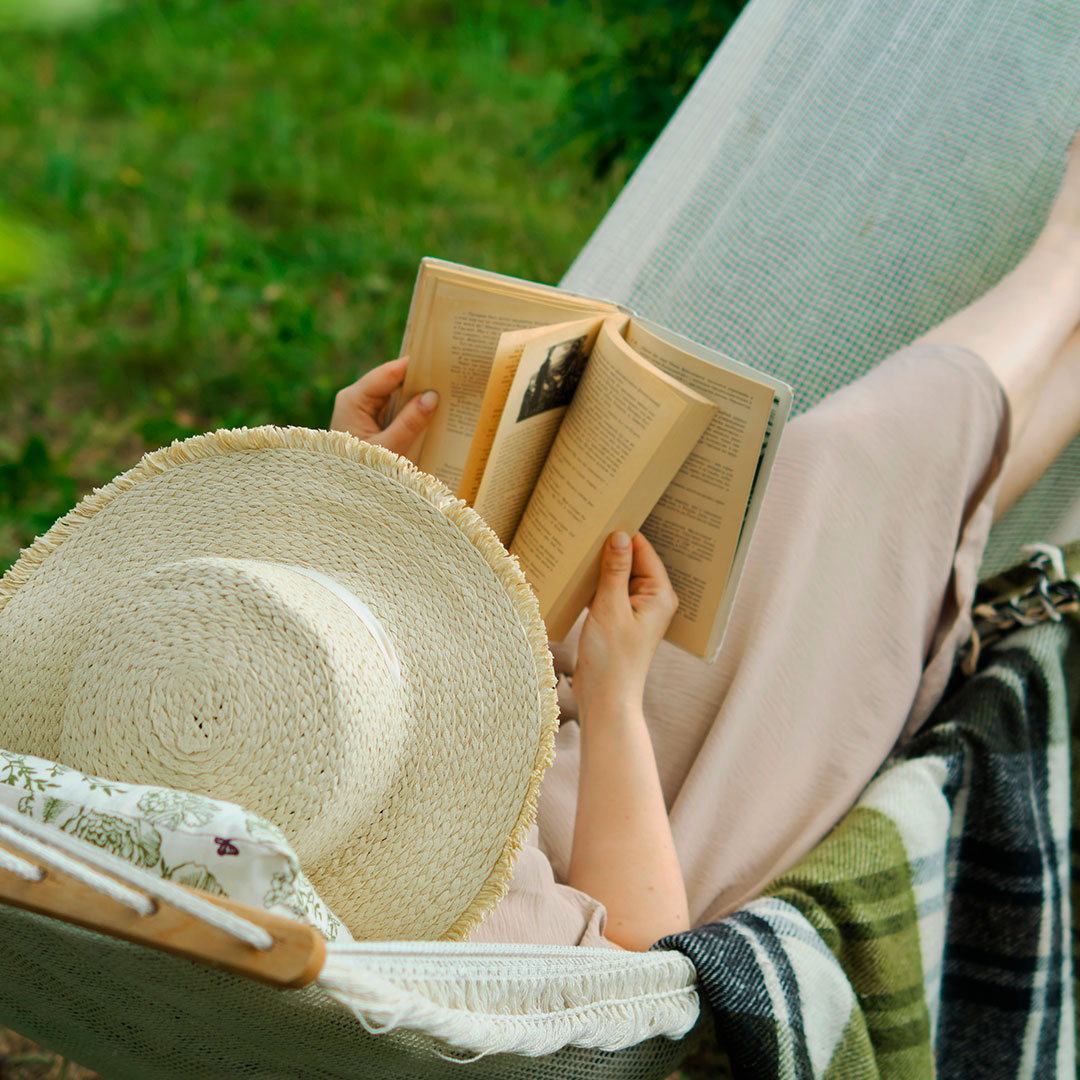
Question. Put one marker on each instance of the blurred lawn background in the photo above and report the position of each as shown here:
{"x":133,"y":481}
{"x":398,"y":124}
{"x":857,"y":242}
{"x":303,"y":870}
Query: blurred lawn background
{"x":237,"y":194}
{"x":234,"y":196}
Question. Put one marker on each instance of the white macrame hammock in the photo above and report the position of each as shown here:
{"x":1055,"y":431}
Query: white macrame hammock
{"x":844,"y":174}
{"x":475,"y":999}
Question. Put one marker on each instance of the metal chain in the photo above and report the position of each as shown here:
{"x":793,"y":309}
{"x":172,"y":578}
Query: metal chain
{"x":1044,"y":600}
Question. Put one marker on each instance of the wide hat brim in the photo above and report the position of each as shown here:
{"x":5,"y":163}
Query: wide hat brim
{"x":477,"y":679}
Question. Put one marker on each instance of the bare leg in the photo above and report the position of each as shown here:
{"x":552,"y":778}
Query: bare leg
{"x":1020,"y":325}
{"x":1054,"y":422}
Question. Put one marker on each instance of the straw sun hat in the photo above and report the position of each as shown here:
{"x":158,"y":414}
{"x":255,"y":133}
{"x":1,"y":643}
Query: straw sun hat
{"x":307,"y":625}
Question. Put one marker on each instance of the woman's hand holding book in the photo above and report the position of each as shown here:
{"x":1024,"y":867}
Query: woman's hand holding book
{"x":360,"y":407}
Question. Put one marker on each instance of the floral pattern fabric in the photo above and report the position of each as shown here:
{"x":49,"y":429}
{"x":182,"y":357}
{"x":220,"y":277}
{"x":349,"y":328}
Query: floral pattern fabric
{"x":205,"y":843}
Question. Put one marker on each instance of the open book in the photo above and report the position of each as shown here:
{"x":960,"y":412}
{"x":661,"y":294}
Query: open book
{"x":564,"y":418}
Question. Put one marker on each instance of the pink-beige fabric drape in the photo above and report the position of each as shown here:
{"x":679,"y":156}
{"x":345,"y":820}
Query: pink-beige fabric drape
{"x":853,"y":603}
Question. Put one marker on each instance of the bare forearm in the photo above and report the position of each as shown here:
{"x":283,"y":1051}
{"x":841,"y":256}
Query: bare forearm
{"x":623,"y":853}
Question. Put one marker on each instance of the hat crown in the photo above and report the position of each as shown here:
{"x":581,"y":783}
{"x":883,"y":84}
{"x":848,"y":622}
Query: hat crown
{"x":246,"y":680}
{"x":407,"y":829}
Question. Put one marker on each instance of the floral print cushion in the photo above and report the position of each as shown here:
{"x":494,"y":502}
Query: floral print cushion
{"x":211,"y":845}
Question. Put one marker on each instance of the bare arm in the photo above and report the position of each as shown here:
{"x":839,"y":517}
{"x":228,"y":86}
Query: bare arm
{"x":623,"y":853}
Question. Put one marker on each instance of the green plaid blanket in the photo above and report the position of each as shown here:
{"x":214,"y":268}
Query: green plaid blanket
{"x":930,"y":933}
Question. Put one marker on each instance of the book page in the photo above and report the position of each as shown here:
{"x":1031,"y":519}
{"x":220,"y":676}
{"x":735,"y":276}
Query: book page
{"x":549,"y":370}
{"x":625,"y":435}
{"x":503,"y":368}
{"x":696,"y":524}
{"x":454,"y":327}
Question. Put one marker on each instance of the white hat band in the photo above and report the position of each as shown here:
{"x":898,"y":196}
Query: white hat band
{"x":362,"y":612}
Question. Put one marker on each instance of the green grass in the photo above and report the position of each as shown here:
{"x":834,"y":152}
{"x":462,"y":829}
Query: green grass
{"x":242,"y":190}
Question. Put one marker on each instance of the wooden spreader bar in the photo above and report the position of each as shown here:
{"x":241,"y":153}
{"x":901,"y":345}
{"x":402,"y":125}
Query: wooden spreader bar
{"x":295,"y":959}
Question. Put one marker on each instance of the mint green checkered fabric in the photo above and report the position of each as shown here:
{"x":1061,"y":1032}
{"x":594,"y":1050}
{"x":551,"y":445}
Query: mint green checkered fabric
{"x":844,"y":175}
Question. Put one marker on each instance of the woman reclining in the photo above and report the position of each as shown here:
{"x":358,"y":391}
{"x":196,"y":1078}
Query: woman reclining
{"x":681,"y":788}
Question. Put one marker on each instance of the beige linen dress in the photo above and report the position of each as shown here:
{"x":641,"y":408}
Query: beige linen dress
{"x":854,"y":600}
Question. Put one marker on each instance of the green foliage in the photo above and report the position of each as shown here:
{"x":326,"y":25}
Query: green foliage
{"x":25,"y":254}
{"x":245,"y":190}
{"x":35,"y":488}
{"x":49,"y":13}
{"x":624,"y":93}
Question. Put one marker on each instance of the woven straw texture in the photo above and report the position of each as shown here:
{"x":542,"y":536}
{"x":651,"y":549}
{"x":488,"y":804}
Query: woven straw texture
{"x":132,"y":1014}
{"x":404,"y":805}
{"x":844,"y":175}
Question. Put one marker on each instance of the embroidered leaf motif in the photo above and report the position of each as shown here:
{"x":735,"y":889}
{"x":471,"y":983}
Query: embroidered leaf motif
{"x":107,"y":787}
{"x":281,"y":887}
{"x":136,"y":841}
{"x":176,"y":809}
{"x":260,"y":829}
{"x":307,"y":905}
{"x":33,"y":806}
{"x":17,"y":772}
{"x":292,"y":894}
{"x":196,"y":876}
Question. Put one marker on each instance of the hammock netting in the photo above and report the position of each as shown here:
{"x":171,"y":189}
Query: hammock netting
{"x":844,"y":175}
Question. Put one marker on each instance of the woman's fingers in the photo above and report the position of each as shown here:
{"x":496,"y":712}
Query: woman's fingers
{"x":358,"y":408}
{"x":358,"y":405}
{"x":631,"y":568}
{"x":631,"y":573}
{"x":370,"y":392}
{"x":647,"y":564}
{"x":649,"y":583}
{"x":409,"y":424}
{"x":616,"y":564}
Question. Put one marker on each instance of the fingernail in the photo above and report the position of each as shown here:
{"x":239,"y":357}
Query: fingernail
{"x":620,"y":541}
{"x":428,"y":400}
